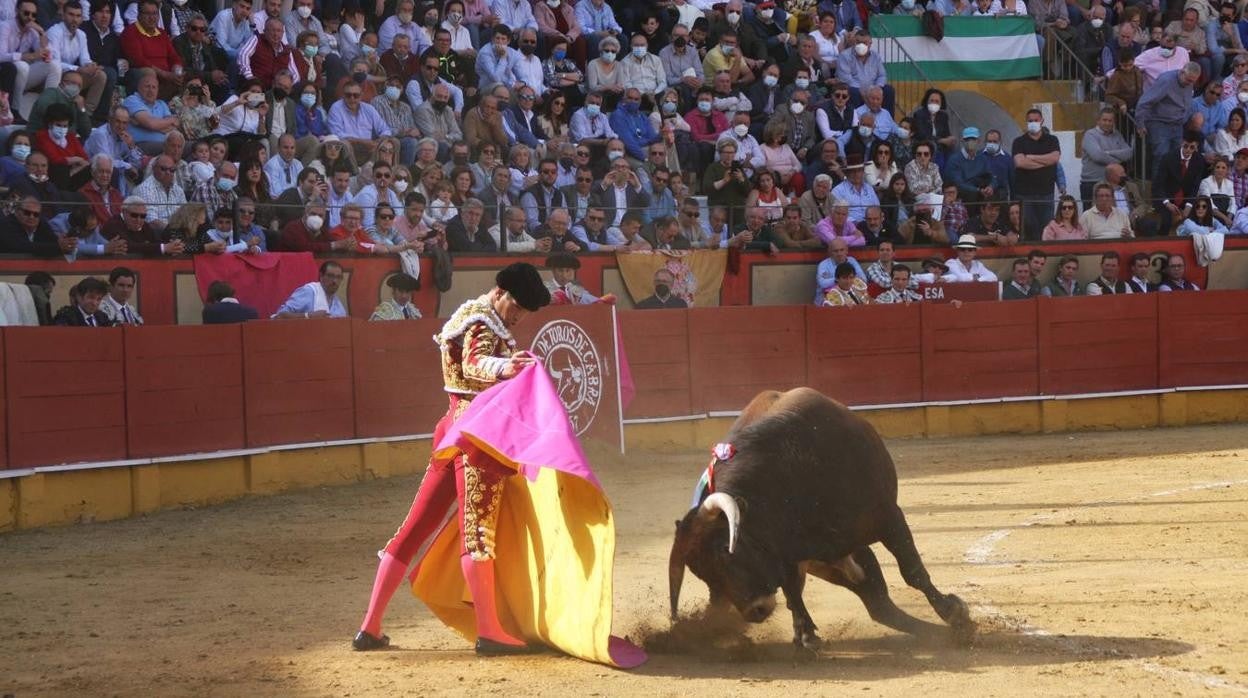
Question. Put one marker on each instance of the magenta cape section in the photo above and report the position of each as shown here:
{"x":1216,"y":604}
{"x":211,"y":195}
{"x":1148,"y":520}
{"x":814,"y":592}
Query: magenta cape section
{"x":556,"y":534}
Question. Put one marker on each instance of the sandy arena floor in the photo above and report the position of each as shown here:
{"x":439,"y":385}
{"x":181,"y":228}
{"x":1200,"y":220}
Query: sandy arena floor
{"x":1096,"y":564}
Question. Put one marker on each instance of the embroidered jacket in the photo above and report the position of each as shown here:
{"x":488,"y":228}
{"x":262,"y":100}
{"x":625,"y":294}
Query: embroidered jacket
{"x":475,"y":346}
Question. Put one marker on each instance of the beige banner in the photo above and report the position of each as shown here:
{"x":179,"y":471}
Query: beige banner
{"x":699,"y":274}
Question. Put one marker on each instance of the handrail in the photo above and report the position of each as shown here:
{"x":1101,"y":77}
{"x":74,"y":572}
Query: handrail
{"x":924,"y":83}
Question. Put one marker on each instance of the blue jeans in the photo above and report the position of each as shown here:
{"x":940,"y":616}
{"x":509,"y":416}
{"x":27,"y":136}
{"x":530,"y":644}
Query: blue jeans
{"x":1165,"y":138}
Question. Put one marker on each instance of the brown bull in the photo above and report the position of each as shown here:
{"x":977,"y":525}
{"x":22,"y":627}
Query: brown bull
{"x":809,"y":488}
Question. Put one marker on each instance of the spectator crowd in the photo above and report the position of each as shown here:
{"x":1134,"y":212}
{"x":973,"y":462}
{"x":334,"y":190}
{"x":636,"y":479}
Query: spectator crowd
{"x":175,"y":127}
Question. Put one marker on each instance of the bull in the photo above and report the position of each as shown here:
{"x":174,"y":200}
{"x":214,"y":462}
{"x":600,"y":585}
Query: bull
{"x":805,"y":487}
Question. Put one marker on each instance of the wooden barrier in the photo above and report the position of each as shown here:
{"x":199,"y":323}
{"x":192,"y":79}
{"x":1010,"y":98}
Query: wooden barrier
{"x":736,"y":352}
{"x":980,"y":350}
{"x":657,"y":345}
{"x":1090,"y":345}
{"x":298,"y":378}
{"x":397,"y":377}
{"x":184,"y":389}
{"x":865,"y":356}
{"x":66,"y":395}
{"x":1202,"y":338}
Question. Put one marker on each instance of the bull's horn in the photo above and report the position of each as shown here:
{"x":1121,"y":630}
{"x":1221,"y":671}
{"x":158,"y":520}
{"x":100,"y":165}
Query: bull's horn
{"x":676,"y":568}
{"x":722,"y":502}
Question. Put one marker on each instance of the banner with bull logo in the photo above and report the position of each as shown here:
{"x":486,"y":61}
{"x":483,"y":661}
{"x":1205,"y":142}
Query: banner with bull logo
{"x":578,"y":347}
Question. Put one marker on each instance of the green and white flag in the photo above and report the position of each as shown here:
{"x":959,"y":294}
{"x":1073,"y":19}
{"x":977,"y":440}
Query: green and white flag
{"x":974,"y":48}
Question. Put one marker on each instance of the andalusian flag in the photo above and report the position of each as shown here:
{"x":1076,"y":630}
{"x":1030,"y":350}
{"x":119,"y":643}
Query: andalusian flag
{"x":974,"y":48}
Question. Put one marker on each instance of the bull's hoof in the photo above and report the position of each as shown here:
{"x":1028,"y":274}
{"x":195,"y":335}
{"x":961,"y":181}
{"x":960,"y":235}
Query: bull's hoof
{"x":807,"y":640}
{"x":958,"y":616}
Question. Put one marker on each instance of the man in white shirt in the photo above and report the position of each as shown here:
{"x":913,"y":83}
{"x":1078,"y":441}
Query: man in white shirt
{"x":643,"y":70}
{"x":529,"y":67}
{"x":377,"y":192}
{"x":22,"y":52}
{"x":283,"y":168}
{"x":161,"y":193}
{"x":317,"y":299}
{"x":68,"y":45}
{"x":232,"y":27}
{"x":401,"y":23}
{"x":116,"y":305}
{"x":965,"y":267}
{"x":513,"y":226}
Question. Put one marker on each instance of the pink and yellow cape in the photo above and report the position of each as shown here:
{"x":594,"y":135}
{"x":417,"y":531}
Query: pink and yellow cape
{"x":556,"y":534}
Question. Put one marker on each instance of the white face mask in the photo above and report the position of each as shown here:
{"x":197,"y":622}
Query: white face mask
{"x":400,"y":185}
{"x":1033,"y":127}
{"x":734,"y":17}
{"x":770,"y":80}
{"x":552,"y":3}
{"x":861,"y":49}
{"x":615,"y":154}
{"x":304,"y":11}
{"x":314,"y":222}
{"x":740,"y":130}
{"x":1097,"y":23}
{"x":1167,"y":52}
{"x":933,"y":107}
{"x":797,"y":108}
{"x":864,"y":131}
{"x":766,"y":14}
{"x":1243,"y":97}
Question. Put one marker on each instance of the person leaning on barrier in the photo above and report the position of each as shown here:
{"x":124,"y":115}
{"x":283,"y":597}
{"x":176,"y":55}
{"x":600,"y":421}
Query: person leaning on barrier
{"x":315,"y":299}
{"x":899,"y":290}
{"x":223,"y":308}
{"x":399,"y":306}
{"x":662,"y":297}
{"x":85,"y":309}
{"x":1108,"y":283}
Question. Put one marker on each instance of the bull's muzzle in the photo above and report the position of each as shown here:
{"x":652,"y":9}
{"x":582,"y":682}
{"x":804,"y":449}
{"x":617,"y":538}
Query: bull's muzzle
{"x":759,"y":609}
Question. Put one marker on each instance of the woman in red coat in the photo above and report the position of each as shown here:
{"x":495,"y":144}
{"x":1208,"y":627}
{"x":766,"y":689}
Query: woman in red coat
{"x":68,"y":164}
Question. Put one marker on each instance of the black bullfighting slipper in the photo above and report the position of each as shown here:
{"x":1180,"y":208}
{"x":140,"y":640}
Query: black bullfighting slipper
{"x":489,"y":648}
{"x":364,"y":642}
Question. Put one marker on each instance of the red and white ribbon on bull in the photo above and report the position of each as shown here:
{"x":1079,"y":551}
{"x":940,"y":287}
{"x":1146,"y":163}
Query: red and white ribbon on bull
{"x":720,"y":453}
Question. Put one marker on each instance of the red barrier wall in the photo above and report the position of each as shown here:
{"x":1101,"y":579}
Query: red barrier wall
{"x":184,"y":389}
{"x":66,"y":395}
{"x":657,"y":344}
{"x":980,"y":350}
{"x":1097,"y":344}
{"x":397,"y":377}
{"x":1203,"y":338}
{"x":872,"y":357}
{"x":299,"y":381}
{"x":736,"y":352}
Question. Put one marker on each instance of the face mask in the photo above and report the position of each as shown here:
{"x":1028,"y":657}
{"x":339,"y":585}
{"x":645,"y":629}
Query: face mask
{"x":734,"y":17}
{"x":907,"y":5}
{"x":314,"y":222}
{"x":59,"y":132}
{"x":21,"y":151}
{"x":254,"y":99}
{"x":405,"y":17}
{"x":727,"y":50}
{"x":770,"y":80}
{"x":1167,"y":52}
{"x":225,"y":184}
{"x":861,"y":49}
{"x":366,"y":50}
{"x":392,"y":93}
{"x":630,"y":107}
{"x":1033,"y":127}
{"x":552,"y":3}
{"x":662,"y":289}
{"x":669,"y":107}
{"x":903,"y":133}
{"x":933,"y":107}
{"x":279,"y":94}
{"x":1098,"y":23}
{"x":566,"y":163}
{"x":1243,"y":97}
{"x":608,"y":56}
{"x":179,"y":3}
{"x":741,"y":130}
{"x":593,"y":109}
{"x":560,"y":54}
{"x":527,"y":49}
{"x":439,"y":105}
{"x":615,"y":154}
{"x":39,"y":179}
{"x":400,"y":185}
{"x":304,"y":11}
{"x":455,"y":17}
{"x":802,"y":83}
{"x":639,"y":51}
{"x":308,"y":100}
{"x":992,"y":148}
{"x":359,"y":77}
{"x":865,"y":131}
{"x":704,"y":107}
{"x":797,"y":108}
{"x":71,"y":90}
{"x":311,"y":51}
{"x":680,"y":42}
{"x":431,"y":20}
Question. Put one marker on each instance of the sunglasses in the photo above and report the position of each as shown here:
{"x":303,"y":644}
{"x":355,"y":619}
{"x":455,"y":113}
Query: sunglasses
{"x":841,"y":95}
{"x":385,"y":216}
{"x":352,"y":95}
{"x":692,"y":214}
{"x":1068,"y":208}
{"x":582,"y":153}
{"x":922,"y":154}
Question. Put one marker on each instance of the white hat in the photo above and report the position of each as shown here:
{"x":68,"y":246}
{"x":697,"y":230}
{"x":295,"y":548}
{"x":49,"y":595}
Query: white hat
{"x":967,"y":242}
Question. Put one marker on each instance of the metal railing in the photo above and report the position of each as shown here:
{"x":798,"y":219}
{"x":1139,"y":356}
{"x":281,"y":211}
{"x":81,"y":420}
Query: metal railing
{"x":909,"y":91}
{"x":1061,"y":63}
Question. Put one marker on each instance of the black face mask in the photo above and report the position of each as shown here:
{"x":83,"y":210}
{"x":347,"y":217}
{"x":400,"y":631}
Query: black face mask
{"x":527,"y":49}
{"x":680,"y":42}
{"x":278,"y":93}
{"x":662,"y":289}
{"x":359,"y":77}
{"x":439,"y":105}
